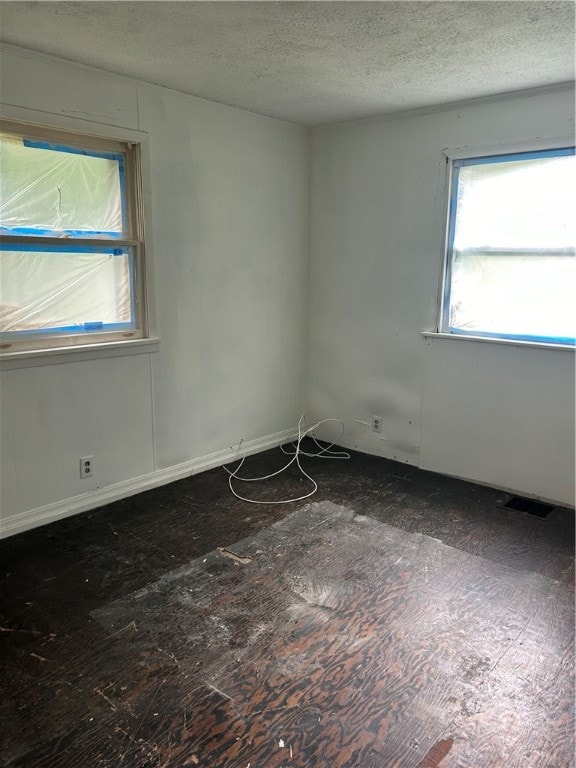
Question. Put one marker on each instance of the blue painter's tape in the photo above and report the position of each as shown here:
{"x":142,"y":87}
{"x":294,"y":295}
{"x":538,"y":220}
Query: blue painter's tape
{"x":41,"y":232}
{"x":65,"y":248}
{"x":67,"y":330}
{"x":566,"y":340}
{"x":39,"y":144}
{"x":516,"y":157}
{"x":98,"y":326}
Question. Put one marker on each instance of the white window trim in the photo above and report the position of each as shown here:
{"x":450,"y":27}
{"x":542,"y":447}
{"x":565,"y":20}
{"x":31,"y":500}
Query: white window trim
{"x":52,"y":355}
{"x":509,"y":148}
{"x":492,"y":340}
{"x":31,"y":358}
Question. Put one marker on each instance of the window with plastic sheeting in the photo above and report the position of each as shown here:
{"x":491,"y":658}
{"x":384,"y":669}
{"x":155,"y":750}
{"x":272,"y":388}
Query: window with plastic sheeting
{"x":510,"y":267}
{"x":71,"y":243}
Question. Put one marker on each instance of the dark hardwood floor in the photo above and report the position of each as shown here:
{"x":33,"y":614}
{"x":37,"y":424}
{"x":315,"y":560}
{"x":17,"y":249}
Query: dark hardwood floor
{"x":398,"y":618}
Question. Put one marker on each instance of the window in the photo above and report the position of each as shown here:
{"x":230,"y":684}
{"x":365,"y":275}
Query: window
{"x":71,"y":250}
{"x":510,"y":268}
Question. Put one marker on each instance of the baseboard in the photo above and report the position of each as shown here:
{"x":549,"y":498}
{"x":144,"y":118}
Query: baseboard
{"x":506,"y":489}
{"x":72,"y":506}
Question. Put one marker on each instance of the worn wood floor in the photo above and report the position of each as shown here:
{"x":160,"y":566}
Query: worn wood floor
{"x":402,"y":619}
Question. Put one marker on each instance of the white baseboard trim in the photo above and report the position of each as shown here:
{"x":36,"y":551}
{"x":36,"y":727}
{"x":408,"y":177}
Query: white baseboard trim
{"x":57,"y":510}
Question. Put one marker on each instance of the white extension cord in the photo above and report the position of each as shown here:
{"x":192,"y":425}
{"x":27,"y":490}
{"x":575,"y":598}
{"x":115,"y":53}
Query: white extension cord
{"x":323,"y":453}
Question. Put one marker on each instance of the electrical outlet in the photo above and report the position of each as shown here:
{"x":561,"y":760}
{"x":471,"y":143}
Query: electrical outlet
{"x":86,"y":466}
{"x":376,"y":423}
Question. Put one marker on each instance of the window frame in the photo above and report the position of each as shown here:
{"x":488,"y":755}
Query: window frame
{"x":44,"y":341}
{"x":456,"y":159}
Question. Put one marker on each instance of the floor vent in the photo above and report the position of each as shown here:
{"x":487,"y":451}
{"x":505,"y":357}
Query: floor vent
{"x":529,"y":506}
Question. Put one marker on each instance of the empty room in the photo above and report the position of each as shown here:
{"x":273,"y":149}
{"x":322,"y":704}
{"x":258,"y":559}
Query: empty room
{"x":287,"y":426}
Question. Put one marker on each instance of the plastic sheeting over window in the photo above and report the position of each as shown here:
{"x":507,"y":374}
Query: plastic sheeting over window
{"x":60,"y":191}
{"x":65,"y":290}
{"x":512,"y":267}
{"x":514,"y":295}
{"x":71,"y":253}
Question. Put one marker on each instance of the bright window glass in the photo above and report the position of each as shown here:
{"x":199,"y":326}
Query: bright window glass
{"x":511,"y":269}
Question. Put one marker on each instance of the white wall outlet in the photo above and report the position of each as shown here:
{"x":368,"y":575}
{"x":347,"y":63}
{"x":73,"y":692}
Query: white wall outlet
{"x":376,"y":423}
{"x":86,"y":466}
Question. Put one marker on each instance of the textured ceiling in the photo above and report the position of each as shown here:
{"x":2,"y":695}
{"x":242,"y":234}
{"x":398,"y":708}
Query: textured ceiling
{"x":311,"y":62}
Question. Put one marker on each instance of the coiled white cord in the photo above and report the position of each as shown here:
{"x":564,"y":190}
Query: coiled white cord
{"x":323,"y":453}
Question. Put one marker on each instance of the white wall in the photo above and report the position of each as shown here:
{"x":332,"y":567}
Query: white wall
{"x":228,"y":237}
{"x":496,"y":414}
{"x":228,"y":232}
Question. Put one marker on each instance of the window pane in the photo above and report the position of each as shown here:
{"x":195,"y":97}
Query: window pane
{"x":67,"y":289}
{"x":517,"y":204}
{"x":501,"y":294}
{"x":512,"y":270}
{"x":51,"y":191}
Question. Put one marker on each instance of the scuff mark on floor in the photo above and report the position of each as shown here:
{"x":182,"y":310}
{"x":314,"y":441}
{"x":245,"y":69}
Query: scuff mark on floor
{"x":233,"y":556}
{"x":437,"y":753}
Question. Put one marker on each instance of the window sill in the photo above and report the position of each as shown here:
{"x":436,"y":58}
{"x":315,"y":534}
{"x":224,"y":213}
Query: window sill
{"x":59,"y":355}
{"x":490,"y":340}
